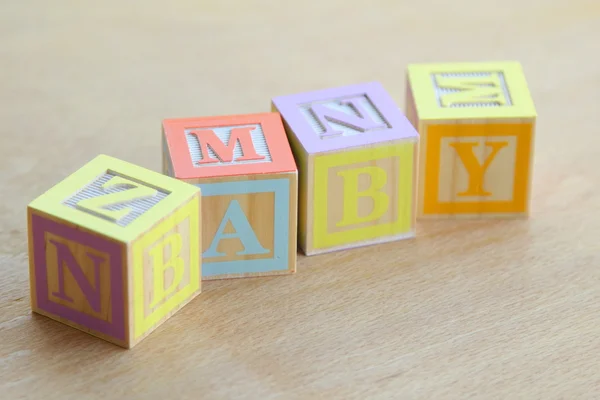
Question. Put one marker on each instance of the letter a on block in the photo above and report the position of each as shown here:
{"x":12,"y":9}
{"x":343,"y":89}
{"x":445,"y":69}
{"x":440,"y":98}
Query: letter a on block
{"x":160,"y":266}
{"x":97,"y":205}
{"x":363,"y":122}
{"x":476,"y":170}
{"x":66,"y":258}
{"x":381,"y":200}
{"x":243,"y":231}
{"x":225,"y":152}
{"x":472,"y":90}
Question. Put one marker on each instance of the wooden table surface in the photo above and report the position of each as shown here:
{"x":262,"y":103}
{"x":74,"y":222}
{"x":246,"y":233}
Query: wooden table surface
{"x":468,"y":310}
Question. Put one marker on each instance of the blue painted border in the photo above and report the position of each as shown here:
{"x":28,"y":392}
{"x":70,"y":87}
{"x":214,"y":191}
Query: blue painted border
{"x":279,"y":262}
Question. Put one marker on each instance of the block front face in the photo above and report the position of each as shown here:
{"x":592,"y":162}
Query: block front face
{"x":474,"y":169}
{"x":248,"y":226}
{"x":166,"y":267}
{"x":350,"y":116}
{"x":226,"y":146}
{"x":473,"y":90}
{"x":78,"y":276}
{"x":362,"y":195}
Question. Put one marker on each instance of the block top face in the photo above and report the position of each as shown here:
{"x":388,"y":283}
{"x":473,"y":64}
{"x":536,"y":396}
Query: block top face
{"x":209,"y":147}
{"x":343,"y":117}
{"x":114,"y":198}
{"x":470,"y":91}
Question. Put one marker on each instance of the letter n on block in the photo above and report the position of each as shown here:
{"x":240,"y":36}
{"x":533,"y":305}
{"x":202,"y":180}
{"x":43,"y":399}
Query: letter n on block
{"x":248,"y":176}
{"x":356,"y":154}
{"x":114,"y":250}
{"x":477,"y":124}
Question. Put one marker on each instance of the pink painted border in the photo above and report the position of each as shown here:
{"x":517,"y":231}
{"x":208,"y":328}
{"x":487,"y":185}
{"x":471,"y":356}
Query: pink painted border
{"x":40,"y":226}
{"x":282,"y":158}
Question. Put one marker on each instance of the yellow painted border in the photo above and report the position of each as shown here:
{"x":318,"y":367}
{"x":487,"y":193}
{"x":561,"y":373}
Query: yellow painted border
{"x":51,"y":202}
{"x":191,"y":211}
{"x":406,"y":185}
{"x":419,"y":78}
{"x":435,"y":134}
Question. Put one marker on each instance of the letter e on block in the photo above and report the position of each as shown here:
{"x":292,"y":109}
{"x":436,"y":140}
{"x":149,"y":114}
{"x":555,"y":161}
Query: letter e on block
{"x":356,"y":154}
{"x":114,"y":250}
{"x":248,"y":176}
{"x":477,"y":123}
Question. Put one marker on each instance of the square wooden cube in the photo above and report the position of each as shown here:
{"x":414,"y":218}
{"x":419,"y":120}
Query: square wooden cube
{"x":248,"y":177}
{"x":476,"y":122}
{"x":114,"y":250}
{"x":356,"y":155}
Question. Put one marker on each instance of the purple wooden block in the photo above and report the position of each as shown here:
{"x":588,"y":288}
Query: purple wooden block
{"x":344,"y":117}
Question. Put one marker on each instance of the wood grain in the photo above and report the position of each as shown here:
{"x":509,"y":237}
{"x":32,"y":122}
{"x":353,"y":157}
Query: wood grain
{"x":497,"y":309}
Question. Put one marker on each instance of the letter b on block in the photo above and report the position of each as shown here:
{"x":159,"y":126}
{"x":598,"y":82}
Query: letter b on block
{"x":377,"y":177}
{"x":363,"y":196}
{"x":119,"y":255}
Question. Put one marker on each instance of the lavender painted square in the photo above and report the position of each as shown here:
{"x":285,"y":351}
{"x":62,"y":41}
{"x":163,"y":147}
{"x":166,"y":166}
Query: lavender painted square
{"x":40,"y":226}
{"x":344,"y":117}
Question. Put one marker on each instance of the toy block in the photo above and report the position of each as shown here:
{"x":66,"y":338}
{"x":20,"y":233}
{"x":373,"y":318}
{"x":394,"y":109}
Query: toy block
{"x":476,"y":123}
{"x":114,"y":250}
{"x":248,"y":176}
{"x":356,"y":155}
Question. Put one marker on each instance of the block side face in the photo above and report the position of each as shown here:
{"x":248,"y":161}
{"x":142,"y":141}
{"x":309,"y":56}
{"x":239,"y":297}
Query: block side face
{"x":292,"y":222}
{"x":166,"y":268}
{"x":411,"y":109}
{"x":167,"y":163}
{"x":344,"y":117}
{"x":477,"y":169}
{"x":470,"y":91}
{"x":78,"y":276}
{"x":419,"y":159}
{"x":306,"y":209}
{"x":247,"y":226}
{"x":363,"y":195}
{"x":228,"y":146}
{"x":304,"y":179}
{"x":113,"y":197}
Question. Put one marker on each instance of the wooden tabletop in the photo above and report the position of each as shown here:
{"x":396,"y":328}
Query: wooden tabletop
{"x":470,"y":309}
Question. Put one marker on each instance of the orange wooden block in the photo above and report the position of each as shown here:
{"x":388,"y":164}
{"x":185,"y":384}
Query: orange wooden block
{"x":248,"y":176}
{"x":477,"y":126}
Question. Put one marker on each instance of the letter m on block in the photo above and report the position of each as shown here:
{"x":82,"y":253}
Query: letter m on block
{"x":476,"y":89}
{"x":226,"y":152}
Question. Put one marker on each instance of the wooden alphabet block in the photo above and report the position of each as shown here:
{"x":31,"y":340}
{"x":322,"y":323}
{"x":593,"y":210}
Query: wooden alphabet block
{"x":476,"y":122}
{"x":356,"y":155}
{"x":248,"y":176}
{"x":114,"y":250}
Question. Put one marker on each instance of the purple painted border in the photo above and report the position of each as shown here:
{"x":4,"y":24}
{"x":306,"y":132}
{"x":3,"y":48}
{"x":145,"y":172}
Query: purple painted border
{"x":401,"y":128}
{"x":40,"y":226}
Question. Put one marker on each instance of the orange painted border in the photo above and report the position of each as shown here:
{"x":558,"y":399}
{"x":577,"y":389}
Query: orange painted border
{"x":282,"y":159}
{"x":435,"y":133}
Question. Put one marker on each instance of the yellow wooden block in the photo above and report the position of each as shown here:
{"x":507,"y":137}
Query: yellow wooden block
{"x":356,"y":156}
{"x":476,"y":123}
{"x":114,"y":250}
